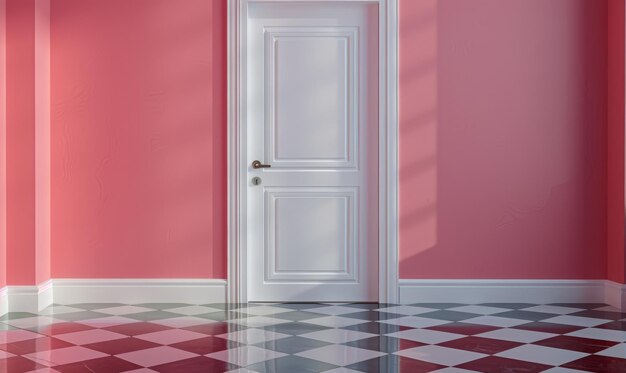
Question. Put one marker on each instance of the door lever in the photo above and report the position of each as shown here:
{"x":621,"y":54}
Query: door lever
{"x":258,"y":164}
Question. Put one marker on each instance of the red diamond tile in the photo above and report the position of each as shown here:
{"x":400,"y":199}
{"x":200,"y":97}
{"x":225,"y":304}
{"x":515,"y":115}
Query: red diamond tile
{"x":206,"y":345}
{"x":137,"y":328}
{"x":615,"y":325}
{"x":483,"y":345}
{"x":18,"y":364}
{"x":567,"y":342}
{"x":34,"y":345}
{"x":120,"y":346}
{"x":500,"y":364}
{"x":62,"y":328}
{"x":599,"y":364}
{"x":548,"y":327}
{"x":463,"y":328}
{"x":395,"y":363}
{"x":411,"y":365}
{"x":405,"y":344}
{"x":109,"y":364}
{"x":200,"y":364}
{"x":214,"y":328}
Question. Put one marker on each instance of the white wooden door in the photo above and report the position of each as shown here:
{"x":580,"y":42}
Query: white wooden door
{"x":312,"y":115}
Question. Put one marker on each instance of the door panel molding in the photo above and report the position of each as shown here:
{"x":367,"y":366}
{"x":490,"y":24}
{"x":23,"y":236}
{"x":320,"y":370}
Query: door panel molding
{"x":348,"y":268}
{"x":349,"y":38}
{"x":387,"y":147}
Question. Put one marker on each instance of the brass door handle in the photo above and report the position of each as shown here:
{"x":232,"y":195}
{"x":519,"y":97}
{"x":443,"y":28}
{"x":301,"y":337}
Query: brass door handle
{"x":258,"y":164}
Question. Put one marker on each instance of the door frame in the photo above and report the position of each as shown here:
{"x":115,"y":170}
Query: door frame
{"x":387,"y":148}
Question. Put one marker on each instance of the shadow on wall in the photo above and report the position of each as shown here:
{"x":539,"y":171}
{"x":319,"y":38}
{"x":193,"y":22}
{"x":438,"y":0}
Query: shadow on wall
{"x":502,"y":139}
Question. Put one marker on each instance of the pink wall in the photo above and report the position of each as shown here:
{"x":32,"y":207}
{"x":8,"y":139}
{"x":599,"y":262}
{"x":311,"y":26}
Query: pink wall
{"x":503,"y":139}
{"x":3,"y":196}
{"x":138,"y":138}
{"x":42,"y":140}
{"x":20,"y":134}
{"x":26,"y":157}
{"x":616,"y":261}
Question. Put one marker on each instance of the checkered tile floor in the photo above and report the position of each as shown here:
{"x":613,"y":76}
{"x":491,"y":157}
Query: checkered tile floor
{"x":315,"y":338}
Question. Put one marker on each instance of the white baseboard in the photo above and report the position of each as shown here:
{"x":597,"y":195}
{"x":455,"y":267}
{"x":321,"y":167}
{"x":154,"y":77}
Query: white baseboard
{"x":486,"y":291}
{"x":193,"y":291}
{"x":22,"y":298}
{"x":615,"y":294}
{"x":28,"y":298}
{"x":4,"y":301}
{"x":200,"y":291}
{"x":44,"y":295}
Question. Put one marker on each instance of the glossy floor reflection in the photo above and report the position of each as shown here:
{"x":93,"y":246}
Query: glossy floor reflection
{"x":318,"y":337}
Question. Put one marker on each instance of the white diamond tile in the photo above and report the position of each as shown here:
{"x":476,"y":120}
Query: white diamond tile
{"x":47,"y":370}
{"x":545,"y":308}
{"x":336,"y":303}
{"x":337,"y":335}
{"x":576,"y":320}
{"x":453,"y":370}
{"x":123,"y":310}
{"x":406,"y":310}
{"x":104,"y":322}
{"x":245,"y":355}
{"x":342,"y":370}
{"x":334,"y":321}
{"x":5,"y":355}
{"x":266,"y":310}
{"x":502,"y":322}
{"x":18,"y":335}
{"x":618,"y":351}
{"x":259,"y":321}
{"x":65,"y":355}
{"x":89,"y":336}
{"x":156,"y":356}
{"x":193,"y":310}
{"x":334,"y":310}
{"x":58,"y":310}
{"x":340,"y":354}
{"x":564,"y":370}
{"x":426,"y":336}
{"x":33,"y":322}
{"x":479,"y":310}
{"x":253,"y":336}
{"x":542,"y":354}
{"x":183,"y":322}
{"x":603,"y":334}
{"x":440,"y":355}
{"x":415,"y":322}
{"x":170,"y":336}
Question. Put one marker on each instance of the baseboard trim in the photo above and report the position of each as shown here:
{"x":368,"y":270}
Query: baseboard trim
{"x":22,"y":298}
{"x":132,"y":291}
{"x":44,"y":295}
{"x":201,"y":291}
{"x":4,"y":301}
{"x":615,"y":294}
{"x":485,"y":291}
{"x":26,"y":298}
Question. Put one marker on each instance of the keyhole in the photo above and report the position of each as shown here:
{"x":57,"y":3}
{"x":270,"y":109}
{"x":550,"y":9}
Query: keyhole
{"x":256,"y":180}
